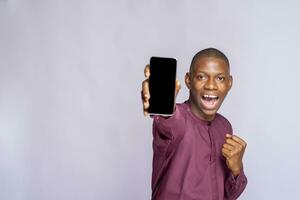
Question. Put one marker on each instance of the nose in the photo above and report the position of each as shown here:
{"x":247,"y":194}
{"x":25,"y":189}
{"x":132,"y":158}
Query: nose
{"x":210,"y":84}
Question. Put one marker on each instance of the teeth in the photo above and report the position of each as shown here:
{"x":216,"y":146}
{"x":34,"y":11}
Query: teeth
{"x":210,"y":96}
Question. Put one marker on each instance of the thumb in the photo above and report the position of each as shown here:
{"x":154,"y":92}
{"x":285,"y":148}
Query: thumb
{"x":177,"y":86}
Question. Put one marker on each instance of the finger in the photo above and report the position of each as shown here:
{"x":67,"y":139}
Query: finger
{"x":145,"y":96}
{"x":146,"y":105}
{"x":233,"y":143}
{"x":147,"y":71}
{"x":177,"y":86}
{"x":145,"y":90}
{"x":228,"y":147}
{"x":226,"y":153}
{"x":226,"y":156}
{"x":145,"y":113}
{"x":239,"y":140}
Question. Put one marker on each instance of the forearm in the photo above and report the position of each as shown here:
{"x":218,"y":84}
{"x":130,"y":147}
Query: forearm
{"x":234,"y":186}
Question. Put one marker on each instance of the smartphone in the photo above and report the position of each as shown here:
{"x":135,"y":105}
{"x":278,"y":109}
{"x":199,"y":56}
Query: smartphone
{"x":162,"y":86}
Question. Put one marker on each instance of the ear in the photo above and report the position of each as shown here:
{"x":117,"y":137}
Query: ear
{"x":230,"y":82}
{"x":188,"y":80}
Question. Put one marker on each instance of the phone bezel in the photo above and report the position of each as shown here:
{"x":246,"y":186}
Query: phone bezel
{"x":174,"y":101}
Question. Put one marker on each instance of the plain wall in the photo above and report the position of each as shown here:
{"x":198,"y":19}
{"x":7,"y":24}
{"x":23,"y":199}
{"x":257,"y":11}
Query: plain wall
{"x":71,"y":123}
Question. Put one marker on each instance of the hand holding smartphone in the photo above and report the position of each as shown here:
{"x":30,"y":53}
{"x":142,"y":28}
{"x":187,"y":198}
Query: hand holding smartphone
{"x":161,"y":85}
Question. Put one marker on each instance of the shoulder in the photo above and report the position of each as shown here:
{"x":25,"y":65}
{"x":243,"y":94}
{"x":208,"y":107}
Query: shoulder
{"x":223,"y":122}
{"x":222,"y":119}
{"x":181,"y":107}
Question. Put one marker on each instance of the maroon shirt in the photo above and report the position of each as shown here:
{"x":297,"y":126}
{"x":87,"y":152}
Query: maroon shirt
{"x":188,"y":162}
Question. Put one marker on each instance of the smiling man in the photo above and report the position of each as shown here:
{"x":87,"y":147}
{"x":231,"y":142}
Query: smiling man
{"x":195,"y":154}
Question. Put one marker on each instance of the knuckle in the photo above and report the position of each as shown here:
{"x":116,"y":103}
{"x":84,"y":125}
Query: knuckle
{"x":239,"y":147}
{"x":144,"y":83}
{"x":145,"y":104}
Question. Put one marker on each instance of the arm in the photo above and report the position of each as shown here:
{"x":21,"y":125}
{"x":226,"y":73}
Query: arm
{"x":236,"y":181}
{"x":234,"y":186}
{"x":167,"y":132}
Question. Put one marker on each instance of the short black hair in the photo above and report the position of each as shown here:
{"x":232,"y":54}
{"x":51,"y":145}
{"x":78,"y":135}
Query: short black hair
{"x":209,"y":52}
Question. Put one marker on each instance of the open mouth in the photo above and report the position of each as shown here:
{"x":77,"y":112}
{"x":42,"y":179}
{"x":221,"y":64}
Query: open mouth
{"x":209,"y":101}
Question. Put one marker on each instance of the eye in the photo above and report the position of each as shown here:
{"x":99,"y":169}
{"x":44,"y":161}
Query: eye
{"x":221,"y":78}
{"x":201,"y":77}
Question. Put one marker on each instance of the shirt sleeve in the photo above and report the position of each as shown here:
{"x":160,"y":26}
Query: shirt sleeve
{"x":234,"y":186}
{"x":167,"y":132}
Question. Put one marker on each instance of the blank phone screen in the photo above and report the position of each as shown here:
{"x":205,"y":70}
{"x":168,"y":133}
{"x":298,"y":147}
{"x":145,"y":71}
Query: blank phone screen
{"x":162,"y":85}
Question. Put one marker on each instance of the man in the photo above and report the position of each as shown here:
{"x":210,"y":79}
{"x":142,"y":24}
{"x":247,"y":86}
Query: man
{"x":196,"y":156}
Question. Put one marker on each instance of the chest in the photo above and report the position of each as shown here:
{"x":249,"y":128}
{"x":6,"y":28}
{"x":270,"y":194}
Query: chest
{"x":202,"y":142}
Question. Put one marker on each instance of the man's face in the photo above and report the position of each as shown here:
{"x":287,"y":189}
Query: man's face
{"x":208,"y":83}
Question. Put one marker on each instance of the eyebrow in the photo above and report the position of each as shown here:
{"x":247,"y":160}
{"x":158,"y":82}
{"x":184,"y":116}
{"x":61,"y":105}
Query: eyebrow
{"x":218,"y":74}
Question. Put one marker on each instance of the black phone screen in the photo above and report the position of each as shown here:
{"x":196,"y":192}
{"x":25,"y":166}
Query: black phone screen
{"x":162,"y":85}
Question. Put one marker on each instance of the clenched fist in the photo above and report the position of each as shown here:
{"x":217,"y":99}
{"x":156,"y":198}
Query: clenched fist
{"x":233,"y":150}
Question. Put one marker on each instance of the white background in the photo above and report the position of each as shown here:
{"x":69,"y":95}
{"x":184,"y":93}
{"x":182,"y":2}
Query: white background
{"x":71,"y":123}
